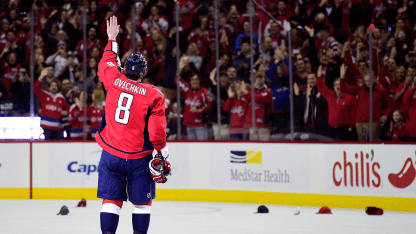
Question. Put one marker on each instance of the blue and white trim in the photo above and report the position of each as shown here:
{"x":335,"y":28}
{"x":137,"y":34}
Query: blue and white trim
{"x":51,"y":122}
{"x":76,"y":132}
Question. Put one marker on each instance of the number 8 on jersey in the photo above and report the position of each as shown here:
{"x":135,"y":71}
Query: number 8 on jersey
{"x":122,"y":114}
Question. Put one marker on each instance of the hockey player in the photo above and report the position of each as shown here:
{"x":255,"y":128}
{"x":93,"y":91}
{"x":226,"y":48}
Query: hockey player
{"x":133,"y":125}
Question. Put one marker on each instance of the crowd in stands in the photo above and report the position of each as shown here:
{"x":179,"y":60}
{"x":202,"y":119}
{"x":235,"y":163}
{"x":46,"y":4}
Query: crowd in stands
{"x":334,"y":65}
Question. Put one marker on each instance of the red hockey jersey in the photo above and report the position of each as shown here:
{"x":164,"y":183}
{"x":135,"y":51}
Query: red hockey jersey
{"x":398,"y":133}
{"x":134,"y":122}
{"x":95,"y":115}
{"x":52,"y":107}
{"x":76,"y":119}
{"x":262,"y":98}
{"x":238,"y":110}
{"x":199,"y":99}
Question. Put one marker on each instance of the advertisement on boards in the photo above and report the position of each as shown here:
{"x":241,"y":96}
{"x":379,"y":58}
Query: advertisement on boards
{"x":75,"y":165}
{"x":371,"y":169}
{"x":66,"y":165}
{"x":261,"y":167}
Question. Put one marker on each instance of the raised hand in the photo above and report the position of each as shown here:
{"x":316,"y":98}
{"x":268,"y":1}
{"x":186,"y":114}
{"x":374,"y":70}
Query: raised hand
{"x":343,"y":70}
{"x":310,"y":31}
{"x":231,"y":93}
{"x":319,"y":72}
{"x":172,"y":32}
{"x":112,"y":28}
{"x":296,"y":89}
{"x":308,"y":90}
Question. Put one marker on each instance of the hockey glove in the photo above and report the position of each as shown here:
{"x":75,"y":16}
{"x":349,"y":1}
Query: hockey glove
{"x":159,"y":169}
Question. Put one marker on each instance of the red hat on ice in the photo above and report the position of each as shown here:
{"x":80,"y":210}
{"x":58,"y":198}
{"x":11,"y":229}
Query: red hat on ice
{"x":82,"y":203}
{"x":372,"y":210}
{"x":324,"y":210}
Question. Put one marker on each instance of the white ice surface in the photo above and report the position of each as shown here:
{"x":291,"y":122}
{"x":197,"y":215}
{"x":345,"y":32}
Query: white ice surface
{"x":39,"y":217}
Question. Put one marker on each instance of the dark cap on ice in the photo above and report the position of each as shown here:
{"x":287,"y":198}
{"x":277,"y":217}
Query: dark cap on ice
{"x":262,"y":209}
{"x":64,"y":211}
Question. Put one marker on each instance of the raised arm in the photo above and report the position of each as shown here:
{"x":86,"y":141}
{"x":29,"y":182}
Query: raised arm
{"x":109,"y":66}
{"x":37,"y":87}
{"x":351,"y":90}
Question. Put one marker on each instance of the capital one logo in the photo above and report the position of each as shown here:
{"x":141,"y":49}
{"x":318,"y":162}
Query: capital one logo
{"x":75,"y":167}
{"x":357,"y":171}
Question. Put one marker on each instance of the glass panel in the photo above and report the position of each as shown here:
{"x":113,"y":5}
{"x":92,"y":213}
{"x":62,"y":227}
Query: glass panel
{"x":313,"y":39}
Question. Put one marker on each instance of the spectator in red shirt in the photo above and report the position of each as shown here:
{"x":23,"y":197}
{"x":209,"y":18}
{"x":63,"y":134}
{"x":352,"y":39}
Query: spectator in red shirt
{"x":237,"y":105}
{"x":341,"y":107}
{"x":77,"y":118}
{"x":197,"y":103}
{"x":9,"y":69}
{"x":54,"y":107}
{"x":262,"y":99}
{"x":70,"y":94}
{"x":397,"y":130}
{"x":153,"y":40}
{"x":382,"y":107}
{"x":95,"y":115}
{"x":401,"y":89}
{"x":92,"y":42}
{"x":128,"y":37}
{"x":94,"y":15}
{"x":409,"y":104}
{"x":398,"y":76}
{"x":158,"y":66}
{"x":139,"y":49}
{"x":187,"y":9}
{"x":201,"y":36}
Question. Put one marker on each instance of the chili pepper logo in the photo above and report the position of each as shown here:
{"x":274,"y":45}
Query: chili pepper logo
{"x":405,"y":177}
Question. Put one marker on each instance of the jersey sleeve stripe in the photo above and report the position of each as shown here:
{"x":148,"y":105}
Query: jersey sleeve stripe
{"x":114,"y":47}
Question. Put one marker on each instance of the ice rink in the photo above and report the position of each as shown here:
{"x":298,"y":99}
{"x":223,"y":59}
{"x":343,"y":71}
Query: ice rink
{"x":39,"y":217}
